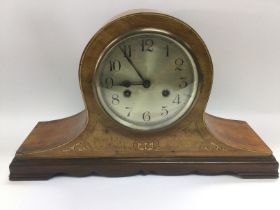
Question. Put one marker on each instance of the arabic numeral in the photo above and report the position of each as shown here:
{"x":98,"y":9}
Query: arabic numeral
{"x":129,"y":111}
{"x":126,"y":49}
{"x":178,"y":64}
{"x":115,"y":65}
{"x":176,"y":100}
{"x":183,"y":82}
{"x":147,"y":45}
{"x":167,"y":50}
{"x":115,"y":99}
{"x":146,"y":116}
{"x":109,"y":82}
{"x":164,"y":111}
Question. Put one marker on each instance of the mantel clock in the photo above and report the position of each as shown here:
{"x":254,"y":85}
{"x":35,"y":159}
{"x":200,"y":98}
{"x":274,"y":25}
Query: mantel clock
{"x":145,"y":79}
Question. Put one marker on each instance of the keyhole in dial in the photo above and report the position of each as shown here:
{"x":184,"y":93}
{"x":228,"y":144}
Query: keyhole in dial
{"x":127,"y":93}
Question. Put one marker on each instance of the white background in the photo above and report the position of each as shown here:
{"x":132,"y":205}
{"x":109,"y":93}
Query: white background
{"x":40,"y":47}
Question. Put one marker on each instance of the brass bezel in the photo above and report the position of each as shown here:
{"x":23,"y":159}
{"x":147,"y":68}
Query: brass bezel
{"x":170,"y":36}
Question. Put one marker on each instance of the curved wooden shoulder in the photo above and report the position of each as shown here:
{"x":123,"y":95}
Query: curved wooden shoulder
{"x":236,"y":133}
{"x":48,"y":135}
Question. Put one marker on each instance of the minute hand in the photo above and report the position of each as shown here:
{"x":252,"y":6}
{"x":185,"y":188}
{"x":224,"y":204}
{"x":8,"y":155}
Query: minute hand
{"x":132,"y":64}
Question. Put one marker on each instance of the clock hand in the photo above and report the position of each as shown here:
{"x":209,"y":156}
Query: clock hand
{"x":128,"y":83}
{"x":132,"y":64}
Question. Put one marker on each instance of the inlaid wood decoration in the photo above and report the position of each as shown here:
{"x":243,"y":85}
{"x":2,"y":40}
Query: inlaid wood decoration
{"x":145,"y":79}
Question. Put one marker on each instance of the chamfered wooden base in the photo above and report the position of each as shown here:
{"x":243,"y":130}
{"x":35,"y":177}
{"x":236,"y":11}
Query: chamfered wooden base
{"x":43,"y":169}
{"x":66,"y":147}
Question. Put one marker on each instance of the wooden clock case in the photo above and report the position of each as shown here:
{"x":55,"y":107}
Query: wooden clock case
{"x":92,"y":143}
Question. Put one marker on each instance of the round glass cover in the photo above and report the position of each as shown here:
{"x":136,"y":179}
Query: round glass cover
{"x":146,"y":80}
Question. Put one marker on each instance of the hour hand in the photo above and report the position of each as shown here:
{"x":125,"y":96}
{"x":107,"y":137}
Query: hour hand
{"x":127,"y":83}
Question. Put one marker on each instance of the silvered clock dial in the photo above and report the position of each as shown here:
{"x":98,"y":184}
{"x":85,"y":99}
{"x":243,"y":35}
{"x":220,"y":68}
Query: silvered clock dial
{"x":146,"y":80}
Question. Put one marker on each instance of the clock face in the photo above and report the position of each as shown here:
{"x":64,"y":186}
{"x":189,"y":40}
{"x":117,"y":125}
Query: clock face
{"x":146,"y":80}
